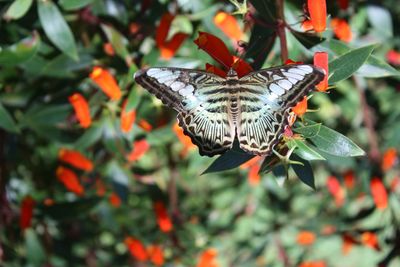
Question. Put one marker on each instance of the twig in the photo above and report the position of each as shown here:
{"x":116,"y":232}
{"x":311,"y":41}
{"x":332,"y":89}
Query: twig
{"x":282,"y":252}
{"x":373,"y":153}
{"x":281,"y":24}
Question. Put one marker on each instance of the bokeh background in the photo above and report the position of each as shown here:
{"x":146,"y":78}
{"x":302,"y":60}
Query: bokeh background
{"x":94,"y":171}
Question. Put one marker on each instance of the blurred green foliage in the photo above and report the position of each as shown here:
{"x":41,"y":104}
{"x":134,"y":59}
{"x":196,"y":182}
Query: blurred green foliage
{"x":47,"y":52}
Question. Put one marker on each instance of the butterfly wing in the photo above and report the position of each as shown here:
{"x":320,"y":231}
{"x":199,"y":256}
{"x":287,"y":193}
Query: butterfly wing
{"x":202,"y":115}
{"x":266,"y":99}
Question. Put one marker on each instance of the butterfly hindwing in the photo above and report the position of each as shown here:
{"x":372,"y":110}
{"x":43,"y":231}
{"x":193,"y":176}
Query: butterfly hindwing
{"x":266,"y":100}
{"x":203,"y":117}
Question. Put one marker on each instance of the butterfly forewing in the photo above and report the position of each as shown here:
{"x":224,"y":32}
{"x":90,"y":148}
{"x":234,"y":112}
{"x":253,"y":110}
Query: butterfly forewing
{"x":266,"y":100}
{"x":203,"y":116}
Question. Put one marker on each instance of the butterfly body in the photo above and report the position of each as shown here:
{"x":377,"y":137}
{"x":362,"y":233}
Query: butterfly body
{"x":213,"y":111}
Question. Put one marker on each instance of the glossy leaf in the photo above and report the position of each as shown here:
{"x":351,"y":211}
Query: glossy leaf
{"x":227,"y":161}
{"x":304,"y":151}
{"x":117,"y":40}
{"x":56,"y":29}
{"x":74,"y":4}
{"x":345,"y":65}
{"x":307,"y":39}
{"x":335,"y":143}
{"x":17,"y":9}
{"x":309,"y":131}
{"x":304,"y":172}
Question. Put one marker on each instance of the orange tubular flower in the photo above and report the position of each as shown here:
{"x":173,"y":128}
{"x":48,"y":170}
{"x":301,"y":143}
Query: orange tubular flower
{"x":228,"y":25}
{"x":301,"y":108}
{"x":75,"y":158}
{"x":139,"y":149}
{"x":215,"y":70}
{"x":163,"y":220}
{"x":305,"y":238}
{"x":127,"y":118}
{"x":370,"y":239}
{"x":341,"y":29}
{"x":70,"y":180}
{"x":254,"y":176}
{"x":184,"y":139}
{"x":389,"y":159}
{"x":114,"y":200}
{"x":81,"y":108}
{"x":136,"y":248}
{"x":313,"y":264}
{"x":317,"y":10}
{"x":348,"y":243}
{"x":156,"y":254}
{"x":216,"y":48}
{"x":321,"y":60}
{"x":27,"y":206}
{"x":336,"y":190}
{"x":207,"y":258}
{"x":307,"y":25}
{"x":108,"y":49}
{"x":168,"y":48}
{"x":349,"y":179}
{"x":145,"y":125}
{"x":106,"y":82}
{"x":100,"y":188}
{"x":393,"y":57}
{"x":379,"y":194}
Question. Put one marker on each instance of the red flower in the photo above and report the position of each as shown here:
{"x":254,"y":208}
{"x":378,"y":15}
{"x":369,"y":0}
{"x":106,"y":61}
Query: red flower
{"x":75,"y":158}
{"x":70,"y":180}
{"x":389,"y":159}
{"x":145,"y":125}
{"x":139,"y":149}
{"x":108,"y":49}
{"x":168,"y":48}
{"x":305,"y":238}
{"x":307,"y":25}
{"x":336,"y":190}
{"x":136,"y":248}
{"x":343,"y":4}
{"x":349,"y":179}
{"x":163,"y":220}
{"x":114,"y":200}
{"x":127,"y":118}
{"x":379,"y":194}
{"x":301,"y":107}
{"x":341,"y":29}
{"x":370,"y":239}
{"x":321,"y":60}
{"x":254,"y":168}
{"x":228,"y":25}
{"x":207,"y":258}
{"x":106,"y":82}
{"x":348,"y":243}
{"x":156,"y":254}
{"x":317,"y":10}
{"x":81,"y":108}
{"x":216,"y":48}
{"x":215,"y":70}
{"x":313,"y":264}
{"x":27,"y":206}
{"x":393,"y":57}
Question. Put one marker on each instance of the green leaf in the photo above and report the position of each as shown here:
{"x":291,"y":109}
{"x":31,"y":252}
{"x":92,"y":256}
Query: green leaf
{"x":34,"y":250}
{"x":381,"y":21}
{"x":17,"y":9}
{"x":229,"y":160}
{"x":133,"y":99}
{"x":74,"y":4}
{"x":56,"y":29}
{"x":307,"y":39}
{"x":304,"y":172}
{"x":309,"y":131}
{"x":161,"y":136}
{"x":70,"y":210}
{"x":344,"y":66}
{"x":6,"y":121}
{"x":20,"y":52}
{"x":372,"y":68}
{"x":117,"y":40}
{"x":304,"y":151}
{"x":89,"y":137}
{"x":334,"y":143}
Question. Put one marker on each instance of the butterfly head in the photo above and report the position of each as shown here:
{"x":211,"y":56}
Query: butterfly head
{"x":232,"y":74}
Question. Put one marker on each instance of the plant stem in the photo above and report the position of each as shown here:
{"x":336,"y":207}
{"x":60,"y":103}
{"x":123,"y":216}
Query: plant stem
{"x":373,"y":153}
{"x":281,"y":25}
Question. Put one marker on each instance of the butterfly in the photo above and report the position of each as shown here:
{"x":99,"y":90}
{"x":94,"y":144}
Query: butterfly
{"x":214,"y":111}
